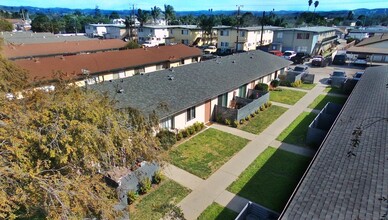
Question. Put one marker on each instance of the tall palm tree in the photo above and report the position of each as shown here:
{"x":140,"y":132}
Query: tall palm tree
{"x":310,"y":3}
{"x":155,"y":12}
{"x":142,"y":16}
{"x":169,"y":13}
{"x":316,"y":3}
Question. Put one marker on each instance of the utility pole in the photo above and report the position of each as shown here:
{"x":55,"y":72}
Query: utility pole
{"x":238,"y":23}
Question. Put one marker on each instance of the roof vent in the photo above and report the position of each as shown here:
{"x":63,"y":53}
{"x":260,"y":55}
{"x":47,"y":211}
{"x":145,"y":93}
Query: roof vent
{"x":171,"y":78}
{"x":120,"y":91}
{"x":171,"y":69}
{"x":233,"y":61}
{"x":121,"y":80}
{"x":251,"y":57}
{"x":110,"y":80}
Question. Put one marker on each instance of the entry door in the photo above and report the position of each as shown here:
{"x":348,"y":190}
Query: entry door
{"x":207,"y":111}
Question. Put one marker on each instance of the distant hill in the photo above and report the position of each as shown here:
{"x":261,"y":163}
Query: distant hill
{"x":61,"y":11}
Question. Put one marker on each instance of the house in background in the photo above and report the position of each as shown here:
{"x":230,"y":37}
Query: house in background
{"x":109,"y":31}
{"x":190,"y":35}
{"x":249,"y":38}
{"x":361,"y":34}
{"x":191,"y":93}
{"x":154,"y":33}
{"x":312,"y":40}
{"x":374,"y":49}
{"x":93,"y":68}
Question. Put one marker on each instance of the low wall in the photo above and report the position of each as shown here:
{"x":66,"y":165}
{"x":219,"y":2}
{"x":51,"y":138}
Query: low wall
{"x":254,"y":211}
{"x":319,"y":127}
{"x":252,"y":107}
{"x":293,"y":76}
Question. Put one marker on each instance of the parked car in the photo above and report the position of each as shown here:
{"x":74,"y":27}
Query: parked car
{"x":300,"y":58}
{"x":338,"y":75}
{"x":150,"y":44}
{"x":357,"y":76}
{"x":210,"y":49}
{"x":288,"y":54}
{"x":361,"y":61}
{"x":320,"y":61}
{"x":276,"y":53}
{"x":339,"y":59}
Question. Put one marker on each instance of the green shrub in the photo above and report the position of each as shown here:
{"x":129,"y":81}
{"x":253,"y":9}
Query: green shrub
{"x":158,"y":177}
{"x":269,"y":103}
{"x":262,"y":107}
{"x":257,"y":111}
{"x":198,"y":126}
{"x":253,"y":115}
{"x":219,"y":118}
{"x":275,"y":83}
{"x":297,"y":83}
{"x":202,"y":125}
{"x":235,"y":124}
{"x":242,"y":121}
{"x":191,"y":129}
{"x":179,"y":136}
{"x":185,"y":133}
{"x":166,"y":138}
{"x":261,"y":87}
{"x":248,"y":118}
{"x":132,"y":196}
{"x":227,"y":121}
{"x":144,"y":185}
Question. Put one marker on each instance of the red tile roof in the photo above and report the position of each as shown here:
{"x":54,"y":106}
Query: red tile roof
{"x":42,"y":69}
{"x":17,"y":51}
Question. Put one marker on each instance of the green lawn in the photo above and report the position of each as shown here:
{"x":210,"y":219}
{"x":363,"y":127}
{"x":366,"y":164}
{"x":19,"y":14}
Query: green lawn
{"x":322,"y":100}
{"x":286,"y":96}
{"x":217,"y":212}
{"x":261,"y":121}
{"x":296,"y":132}
{"x":206,"y":152}
{"x":271,"y":178}
{"x":149,"y":206}
{"x":307,"y":86}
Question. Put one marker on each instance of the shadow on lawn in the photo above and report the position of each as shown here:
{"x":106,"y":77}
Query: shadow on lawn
{"x":272,"y":185}
{"x":329,"y":98}
{"x":298,"y":134}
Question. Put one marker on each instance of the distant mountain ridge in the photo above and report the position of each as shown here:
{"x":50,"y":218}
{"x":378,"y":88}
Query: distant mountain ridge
{"x":377,"y":11}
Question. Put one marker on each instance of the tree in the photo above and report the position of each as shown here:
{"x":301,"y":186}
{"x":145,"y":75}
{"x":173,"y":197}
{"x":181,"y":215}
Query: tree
{"x":248,"y":19}
{"x":316,"y":3}
{"x":143,"y":16}
{"x":310,"y":2}
{"x":5,"y":25}
{"x":155,"y":13}
{"x":54,"y":147}
{"x":41,"y":23}
{"x":132,"y":45}
{"x":169,"y":13}
{"x":114,"y":15}
{"x":97,"y":12}
{"x":350,"y":15}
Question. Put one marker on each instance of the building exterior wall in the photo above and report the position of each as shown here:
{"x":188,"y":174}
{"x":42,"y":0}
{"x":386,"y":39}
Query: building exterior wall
{"x":180,"y":119}
{"x":358,"y":35}
{"x":157,"y":35}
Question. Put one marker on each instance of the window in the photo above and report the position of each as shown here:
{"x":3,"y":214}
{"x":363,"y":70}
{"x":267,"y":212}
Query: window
{"x":280,"y":35}
{"x":223,"y":100}
{"x":224,"y":44}
{"x":185,"y":41}
{"x":182,"y":61}
{"x":242,"y":91}
{"x":242,"y":34}
{"x":139,"y":70}
{"x":185,"y":32}
{"x":158,"y":39}
{"x":140,"y":29}
{"x":224,"y":33}
{"x":190,"y":114}
{"x":171,"y":31}
{"x":302,"y":35}
{"x":167,"y":123}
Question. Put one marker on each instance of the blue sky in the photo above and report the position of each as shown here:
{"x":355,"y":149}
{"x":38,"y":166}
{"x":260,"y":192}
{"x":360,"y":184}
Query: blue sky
{"x":185,"y":5}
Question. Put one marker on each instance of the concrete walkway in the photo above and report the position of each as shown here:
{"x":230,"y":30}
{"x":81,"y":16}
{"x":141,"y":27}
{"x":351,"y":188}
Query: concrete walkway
{"x":205,"y":192}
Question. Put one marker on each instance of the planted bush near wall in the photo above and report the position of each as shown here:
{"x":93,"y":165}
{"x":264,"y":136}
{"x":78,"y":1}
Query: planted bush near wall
{"x":166,"y":138}
{"x":158,"y":177}
{"x":187,"y":132}
{"x":144,"y":185}
{"x":132,"y":196}
{"x":297,"y":83}
{"x":261,"y":87}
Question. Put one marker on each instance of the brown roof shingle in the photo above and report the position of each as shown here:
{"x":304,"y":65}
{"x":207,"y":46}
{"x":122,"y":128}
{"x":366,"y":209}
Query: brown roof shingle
{"x":42,"y":69}
{"x":19,"y":51}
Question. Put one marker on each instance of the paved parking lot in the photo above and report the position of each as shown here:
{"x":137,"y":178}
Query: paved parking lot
{"x":322,"y":74}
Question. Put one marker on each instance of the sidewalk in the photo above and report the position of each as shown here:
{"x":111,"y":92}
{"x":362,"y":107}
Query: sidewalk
{"x":205,"y":192}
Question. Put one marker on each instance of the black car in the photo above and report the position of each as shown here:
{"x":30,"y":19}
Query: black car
{"x":300,"y":58}
{"x":339,"y":59}
{"x":320,"y":61}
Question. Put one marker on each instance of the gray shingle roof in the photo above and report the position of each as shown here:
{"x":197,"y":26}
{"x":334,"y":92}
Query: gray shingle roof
{"x":193,"y":84}
{"x":340,"y":187}
{"x":37,"y":38}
